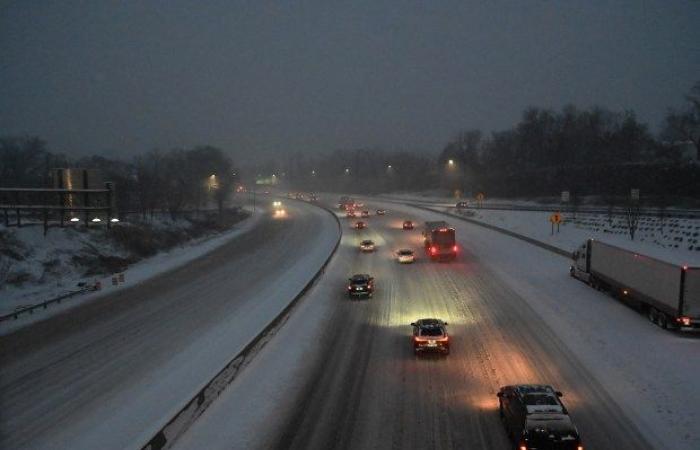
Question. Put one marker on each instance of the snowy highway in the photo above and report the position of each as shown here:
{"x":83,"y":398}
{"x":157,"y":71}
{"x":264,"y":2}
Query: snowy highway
{"x":350,"y":379}
{"x":340,"y":373}
{"x":369,"y":391}
{"x":108,"y":373}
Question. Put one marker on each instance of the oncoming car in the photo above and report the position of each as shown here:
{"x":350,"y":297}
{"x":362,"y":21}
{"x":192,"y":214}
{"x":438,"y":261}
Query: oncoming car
{"x":360,"y":285}
{"x":381,"y":212}
{"x":360,"y":225}
{"x":535,"y":418}
{"x":367,"y":245}
{"x":462,"y":205}
{"x":407,"y":225}
{"x":405,"y":256}
{"x":430,"y":335}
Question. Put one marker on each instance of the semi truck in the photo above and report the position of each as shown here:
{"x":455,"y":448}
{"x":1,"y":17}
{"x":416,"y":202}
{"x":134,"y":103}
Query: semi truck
{"x":439,"y":241}
{"x":668,"y":293}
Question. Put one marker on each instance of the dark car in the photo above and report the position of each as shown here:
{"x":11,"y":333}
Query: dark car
{"x":381,"y":212}
{"x":407,"y":225}
{"x":360,"y":224}
{"x":430,"y":335}
{"x":535,"y":418}
{"x":462,"y":205}
{"x":364,"y":213}
{"x":360,"y":285}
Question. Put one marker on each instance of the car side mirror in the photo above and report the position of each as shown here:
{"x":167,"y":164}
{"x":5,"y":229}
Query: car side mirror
{"x":559,"y":394}
{"x":413,"y":324}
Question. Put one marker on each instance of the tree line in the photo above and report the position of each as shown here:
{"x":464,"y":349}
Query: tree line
{"x":172,"y":180}
{"x":589,"y":151}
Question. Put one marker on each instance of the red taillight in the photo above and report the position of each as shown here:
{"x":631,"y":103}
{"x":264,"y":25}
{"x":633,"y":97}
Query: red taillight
{"x":349,"y":288}
{"x":445,"y":339}
{"x":454,"y":249}
{"x":433,"y":250}
{"x":685,"y":321}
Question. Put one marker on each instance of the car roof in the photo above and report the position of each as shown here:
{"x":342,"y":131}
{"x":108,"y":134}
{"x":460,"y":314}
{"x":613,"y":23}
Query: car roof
{"x":361,"y":276}
{"x":405,"y":250}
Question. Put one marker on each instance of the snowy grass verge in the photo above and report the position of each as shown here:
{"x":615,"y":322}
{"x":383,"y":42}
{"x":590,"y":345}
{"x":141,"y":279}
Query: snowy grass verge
{"x":135,"y":274}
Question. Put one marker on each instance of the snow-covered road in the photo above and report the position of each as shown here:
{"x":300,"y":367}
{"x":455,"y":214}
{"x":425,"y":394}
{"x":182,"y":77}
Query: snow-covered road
{"x":350,"y":380}
{"x":108,"y":374}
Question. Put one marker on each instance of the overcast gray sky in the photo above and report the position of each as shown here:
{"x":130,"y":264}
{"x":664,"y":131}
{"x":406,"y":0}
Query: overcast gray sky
{"x":256,"y":77}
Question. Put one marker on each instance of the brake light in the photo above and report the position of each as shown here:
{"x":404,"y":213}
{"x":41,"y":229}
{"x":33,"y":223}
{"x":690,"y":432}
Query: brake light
{"x":445,"y":339}
{"x":683,"y":320}
{"x":433,"y":250}
{"x":454,"y":249}
{"x":522,"y":447}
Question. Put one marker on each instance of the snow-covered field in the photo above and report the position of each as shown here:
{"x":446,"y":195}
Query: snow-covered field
{"x":672,"y":239}
{"x":65,"y":243}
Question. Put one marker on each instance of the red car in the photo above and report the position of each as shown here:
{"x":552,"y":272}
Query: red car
{"x":360,"y":224}
{"x":407,"y":225}
{"x":430,"y":335}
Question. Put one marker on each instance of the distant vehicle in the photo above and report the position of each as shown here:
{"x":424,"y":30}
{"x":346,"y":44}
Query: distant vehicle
{"x":350,"y":214}
{"x":430,"y":335}
{"x":462,"y":205}
{"x":535,"y":418}
{"x":405,"y":256}
{"x":360,"y":285}
{"x":313,"y":198}
{"x":367,"y":246}
{"x":668,"y":293}
{"x":407,"y":225}
{"x":381,"y":212}
{"x":346,"y":203}
{"x":266,"y":192}
{"x":364,"y":214}
{"x":359,"y":204}
{"x":439,"y":241}
{"x":277,"y":204}
{"x":360,"y":225}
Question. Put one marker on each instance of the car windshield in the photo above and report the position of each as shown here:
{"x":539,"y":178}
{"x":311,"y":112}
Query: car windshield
{"x":406,"y":252}
{"x":367,"y":242}
{"x":359,"y":279}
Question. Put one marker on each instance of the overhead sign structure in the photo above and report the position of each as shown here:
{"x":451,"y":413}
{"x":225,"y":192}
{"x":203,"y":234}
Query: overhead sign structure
{"x":634,"y":193}
{"x":479,"y":199}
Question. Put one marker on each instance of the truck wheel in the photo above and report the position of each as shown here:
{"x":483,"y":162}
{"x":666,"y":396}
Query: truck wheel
{"x":651,"y":314}
{"x":662,"y":321}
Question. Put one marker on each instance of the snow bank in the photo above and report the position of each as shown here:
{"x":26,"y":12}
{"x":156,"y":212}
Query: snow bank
{"x":67,"y":242}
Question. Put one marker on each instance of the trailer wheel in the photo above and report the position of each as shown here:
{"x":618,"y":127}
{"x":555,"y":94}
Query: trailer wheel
{"x":652,"y":315}
{"x":662,"y":321}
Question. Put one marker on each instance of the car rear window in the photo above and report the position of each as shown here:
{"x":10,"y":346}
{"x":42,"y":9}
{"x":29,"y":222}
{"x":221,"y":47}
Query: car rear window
{"x":431,"y":331}
{"x":539,"y":399}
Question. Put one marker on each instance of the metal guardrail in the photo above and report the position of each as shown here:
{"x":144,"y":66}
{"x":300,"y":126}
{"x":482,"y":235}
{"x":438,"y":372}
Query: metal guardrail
{"x":30,"y":309}
{"x":194,"y":407}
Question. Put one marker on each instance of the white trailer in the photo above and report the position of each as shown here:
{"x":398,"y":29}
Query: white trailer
{"x":668,"y":293}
